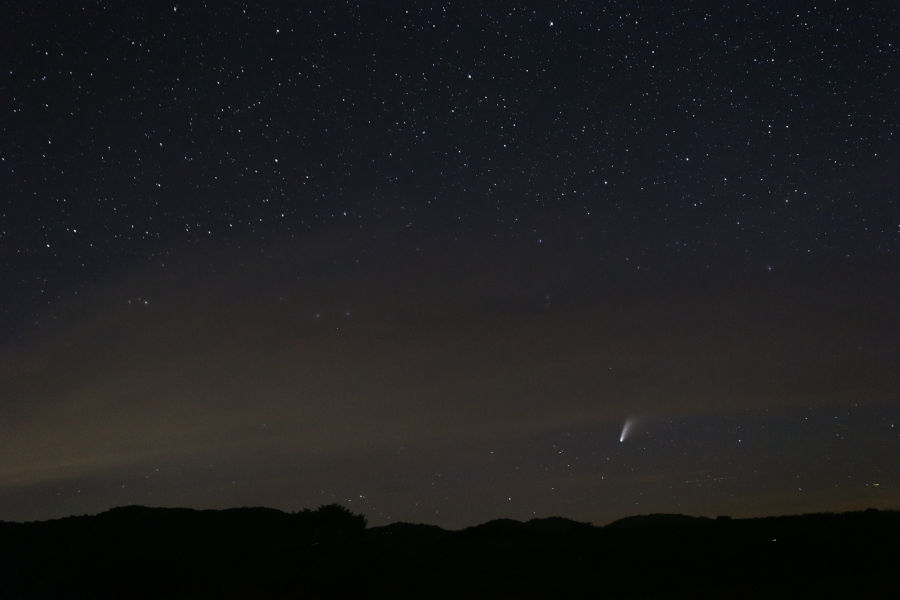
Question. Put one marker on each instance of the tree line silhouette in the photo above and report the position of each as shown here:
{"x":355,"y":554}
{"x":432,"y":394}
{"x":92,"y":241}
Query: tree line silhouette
{"x":141,"y":552}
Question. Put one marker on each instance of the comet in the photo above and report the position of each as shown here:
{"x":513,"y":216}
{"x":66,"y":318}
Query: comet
{"x":626,"y":428}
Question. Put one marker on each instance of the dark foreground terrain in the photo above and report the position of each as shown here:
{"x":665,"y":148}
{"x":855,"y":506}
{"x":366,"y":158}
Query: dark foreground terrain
{"x":137,"y":552}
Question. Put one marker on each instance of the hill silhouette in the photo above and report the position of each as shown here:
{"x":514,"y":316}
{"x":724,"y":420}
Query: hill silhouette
{"x":141,"y":552}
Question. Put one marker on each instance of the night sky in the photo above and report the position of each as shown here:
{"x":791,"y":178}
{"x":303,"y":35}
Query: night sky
{"x":431,"y":260}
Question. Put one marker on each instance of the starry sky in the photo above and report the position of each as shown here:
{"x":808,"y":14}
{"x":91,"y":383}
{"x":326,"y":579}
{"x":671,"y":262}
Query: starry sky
{"x":429,"y":259}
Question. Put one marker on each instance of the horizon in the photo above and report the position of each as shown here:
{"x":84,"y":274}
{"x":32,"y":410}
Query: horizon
{"x":370,"y":525}
{"x":330,"y":551}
